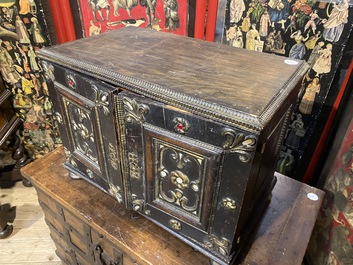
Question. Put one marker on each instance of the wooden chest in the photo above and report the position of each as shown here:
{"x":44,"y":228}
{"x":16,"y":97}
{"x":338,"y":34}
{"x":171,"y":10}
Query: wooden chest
{"x":183,"y":131}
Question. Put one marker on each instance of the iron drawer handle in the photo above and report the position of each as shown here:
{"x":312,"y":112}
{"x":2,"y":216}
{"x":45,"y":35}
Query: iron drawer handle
{"x":104,"y":258}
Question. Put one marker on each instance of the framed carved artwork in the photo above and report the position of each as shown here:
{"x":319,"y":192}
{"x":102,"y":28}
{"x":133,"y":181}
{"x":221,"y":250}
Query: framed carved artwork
{"x":24,"y":31}
{"x":314,"y":31}
{"x":98,"y":16}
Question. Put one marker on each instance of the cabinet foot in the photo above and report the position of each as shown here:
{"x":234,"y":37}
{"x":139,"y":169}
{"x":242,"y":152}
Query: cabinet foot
{"x":6,"y":232}
{"x":74,"y":176}
{"x":5,"y":229}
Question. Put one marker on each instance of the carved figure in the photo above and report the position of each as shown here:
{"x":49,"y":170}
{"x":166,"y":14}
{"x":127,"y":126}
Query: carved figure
{"x":128,"y":5}
{"x":265,"y":21}
{"x":7,"y":67}
{"x":334,"y":25}
{"x":322,"y":64}
{"x":150,"y":10}
{"x":307,"y":102}
{"x":37,"y":32}
{"x":22,"y":31}
{"x":252,"y":36}
{"x":93,"y":29}
{"x":298,"y":50}
{"x":171,"y":14}
{"x":237,"y":8}
{"x":98,"y":5}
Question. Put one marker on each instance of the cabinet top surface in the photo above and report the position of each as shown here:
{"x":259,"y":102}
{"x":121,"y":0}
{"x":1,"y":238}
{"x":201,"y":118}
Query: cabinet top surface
{"x":182,"y":69}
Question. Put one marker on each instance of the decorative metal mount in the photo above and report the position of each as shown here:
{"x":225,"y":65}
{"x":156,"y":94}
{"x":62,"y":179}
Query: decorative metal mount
{"x":70,"y":80}
{"x":239,"y":143}
{"x":82,"y":131}
{"x":139,"y":205}
{"x":175,"y":225}
{"x":116,"y":192}
{"x":89,"y":173}
{"x":59,"y":117}
{"x":134,"y":111}
{"x":181,"y":125}
{"x":67,"y":153}
{"x":229,"y":203}
{"x":134,"y":168}
{"x":113,"y":156}
{"x":179,"y":195}
{"x":48,"y":71}
{"x":102,"y":100}
{"x":73,"y":162}
{"x":220,"y":245}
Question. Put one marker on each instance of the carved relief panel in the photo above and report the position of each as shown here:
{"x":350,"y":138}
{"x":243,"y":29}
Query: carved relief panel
{"x":82,"y":131}
{"x":181,"y":176}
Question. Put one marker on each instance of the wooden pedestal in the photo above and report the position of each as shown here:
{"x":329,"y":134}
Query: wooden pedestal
{"x":88,"y":226}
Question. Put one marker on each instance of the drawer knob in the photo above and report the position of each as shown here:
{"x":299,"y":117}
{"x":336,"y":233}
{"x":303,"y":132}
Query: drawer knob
{"x":229,"y":203}
{"x":175,"y":225}
{"x":89,"y":173}
{"x":71,"y":81}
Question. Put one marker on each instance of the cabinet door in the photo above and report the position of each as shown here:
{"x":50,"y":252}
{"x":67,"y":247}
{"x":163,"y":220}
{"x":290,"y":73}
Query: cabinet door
{"x":170,"y":177}
{"x":87,"y":126}
{"x":187,"y":173}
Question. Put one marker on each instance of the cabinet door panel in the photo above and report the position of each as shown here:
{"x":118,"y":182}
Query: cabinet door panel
{"x":181,"y":176}
{"x":88,"y":129}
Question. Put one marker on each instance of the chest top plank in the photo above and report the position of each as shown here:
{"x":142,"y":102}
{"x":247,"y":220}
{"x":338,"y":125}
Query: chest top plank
{"x":185,"y":71}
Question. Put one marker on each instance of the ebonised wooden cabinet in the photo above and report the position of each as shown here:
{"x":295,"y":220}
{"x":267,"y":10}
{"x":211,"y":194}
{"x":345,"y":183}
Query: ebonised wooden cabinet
{"x":183,"y":131}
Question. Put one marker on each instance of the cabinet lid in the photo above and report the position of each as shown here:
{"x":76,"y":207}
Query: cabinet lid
{"x":233,"y":85}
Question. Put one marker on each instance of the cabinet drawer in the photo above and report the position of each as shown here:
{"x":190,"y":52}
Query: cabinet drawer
{"x":49,"y":203}
{"x":76,"y":225}
{"x":64,"y":254}
{"x":60,"y":239}
{"x":142,"y":109}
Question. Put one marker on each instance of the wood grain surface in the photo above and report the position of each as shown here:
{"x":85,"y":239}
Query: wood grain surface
{"x":233,"y":78}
